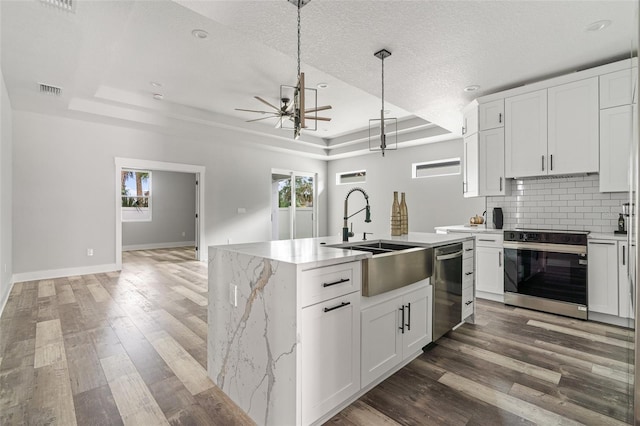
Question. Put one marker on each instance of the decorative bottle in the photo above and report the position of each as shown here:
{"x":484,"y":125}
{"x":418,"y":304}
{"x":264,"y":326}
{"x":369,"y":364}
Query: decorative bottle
{"x":396,"y":225}
{"x":404,"y":216}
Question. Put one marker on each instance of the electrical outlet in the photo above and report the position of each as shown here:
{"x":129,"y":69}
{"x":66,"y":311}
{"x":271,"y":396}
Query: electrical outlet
{"x":233,"y":295}
{"x":228,"y":240}
{"x":242,"y":210}
{"x":89,"y":252}
{"x":184,"y":234}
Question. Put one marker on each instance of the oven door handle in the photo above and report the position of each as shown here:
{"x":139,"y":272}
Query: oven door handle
{"x":554,"y":248}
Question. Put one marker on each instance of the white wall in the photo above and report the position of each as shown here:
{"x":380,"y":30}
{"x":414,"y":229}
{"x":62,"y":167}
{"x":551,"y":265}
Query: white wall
{"x":173,"y":209}
{"x":64,"y":187}
{"x":431,"y":201}
{"x":6,"y":142}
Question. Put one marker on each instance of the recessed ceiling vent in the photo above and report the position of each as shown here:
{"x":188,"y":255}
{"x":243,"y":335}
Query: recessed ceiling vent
{"x":50,"y":90}
{"x":67,"y":5}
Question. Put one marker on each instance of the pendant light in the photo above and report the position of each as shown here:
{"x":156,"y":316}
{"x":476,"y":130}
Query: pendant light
{"x":387,"y":140}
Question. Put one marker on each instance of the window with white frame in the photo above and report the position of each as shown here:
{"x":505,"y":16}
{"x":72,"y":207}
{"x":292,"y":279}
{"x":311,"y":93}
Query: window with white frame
{"x":428,"y":169}
{"x":347,"y":178}
{"x":136,"y":195}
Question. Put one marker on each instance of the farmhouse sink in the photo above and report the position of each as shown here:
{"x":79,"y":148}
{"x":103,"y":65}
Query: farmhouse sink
{"x":392,"y":265}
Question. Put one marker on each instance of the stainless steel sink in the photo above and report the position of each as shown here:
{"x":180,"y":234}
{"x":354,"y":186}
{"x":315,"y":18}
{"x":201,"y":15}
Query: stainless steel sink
{"x":392,"y":265}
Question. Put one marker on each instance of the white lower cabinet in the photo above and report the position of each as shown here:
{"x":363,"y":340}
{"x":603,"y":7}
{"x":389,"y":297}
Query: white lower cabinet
{"x":489,"y":264}
{"x":624,"y":285}
{"x":394,"y":329}
{"x":330,"y":354}
{"x":603,"y":277}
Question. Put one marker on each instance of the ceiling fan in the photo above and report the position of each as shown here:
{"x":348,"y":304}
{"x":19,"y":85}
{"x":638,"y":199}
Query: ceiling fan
{"x":286,"y":111}
{"x":293,"y":108}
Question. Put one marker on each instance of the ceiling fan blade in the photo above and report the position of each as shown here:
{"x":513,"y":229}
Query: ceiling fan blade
{"x":253,"y":110}
{"x":258,"y":119}
{"x":318,"y":118}
{"x":322,"y":108}
{"x":266,"y":103}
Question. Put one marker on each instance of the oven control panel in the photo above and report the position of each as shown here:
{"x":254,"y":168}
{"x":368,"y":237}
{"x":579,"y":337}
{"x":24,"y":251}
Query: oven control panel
{"x":549,"y":237}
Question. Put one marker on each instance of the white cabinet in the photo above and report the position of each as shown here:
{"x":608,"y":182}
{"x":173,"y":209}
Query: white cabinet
{"x":470,"y":172}
{"x":491,"y":115}
{"x":616,"y":132}
{"x":573,"y":127}
{"x":553,"y":131}
{"x":330,"y":354}
{"x":624,"y":285}
{"x":395,"y":329}
{"x":491,"y":180}
{"x":489,"y":265}
{"x":617,"y":88}
{"x":525,"y":134}
{"x":470,"y":119}
{"x":603,"y":276}
{"x":468,"y":279}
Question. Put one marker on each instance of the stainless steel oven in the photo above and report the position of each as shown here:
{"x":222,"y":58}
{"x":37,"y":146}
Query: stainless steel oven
{"x":546,"y":271}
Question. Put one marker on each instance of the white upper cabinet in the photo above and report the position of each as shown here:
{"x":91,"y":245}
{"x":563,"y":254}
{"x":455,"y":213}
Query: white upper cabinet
{"x":573,"y":127}
{"x":617,"y":88}
{"x":617,"y":126}
{"x":491,"y":179}
{"x":470,"y":119}
{"x":470,"y":171}
{"x":526,"y":134}
{"x":491,"y":115}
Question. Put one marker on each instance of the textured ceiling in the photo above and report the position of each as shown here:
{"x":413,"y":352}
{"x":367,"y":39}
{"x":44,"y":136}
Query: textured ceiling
{"x":106,"y":53}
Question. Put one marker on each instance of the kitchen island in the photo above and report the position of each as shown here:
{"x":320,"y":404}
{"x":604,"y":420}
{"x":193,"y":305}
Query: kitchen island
{"x":284,"y":325}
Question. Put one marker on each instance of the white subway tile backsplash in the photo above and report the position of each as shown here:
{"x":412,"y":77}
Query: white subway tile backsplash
{"x":560,"y":203}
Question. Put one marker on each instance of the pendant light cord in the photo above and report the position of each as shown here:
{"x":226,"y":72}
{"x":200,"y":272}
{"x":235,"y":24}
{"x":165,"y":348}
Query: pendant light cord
{"x":382,"y":83}
{"x":299,"y":7}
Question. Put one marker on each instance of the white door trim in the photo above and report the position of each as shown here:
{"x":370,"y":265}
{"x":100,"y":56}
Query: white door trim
{"x":134,"y":163}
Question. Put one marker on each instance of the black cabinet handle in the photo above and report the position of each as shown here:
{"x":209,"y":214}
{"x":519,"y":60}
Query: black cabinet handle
{"x":500,"y":118}
{"x":551,"y":160}
{"x":409,"y":315}
{"x":468,"y":303}
{"x":342,"y":305}
{"x":543,"y":163}
{"x":468,"y":273}
{"x":623,"y":255}
{"x":468,"y":249}
{"x":402,"y":322}
{"x":340,"y":281}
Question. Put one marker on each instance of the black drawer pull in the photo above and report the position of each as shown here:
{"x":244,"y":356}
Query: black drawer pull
{"x":402,"y":322}
{"x":468,"y":249}
{"x":409,"y":315}
{"x":340,"y":281}
{"x":342,"y":305}
{"x":468,"y":303}
{"x":468,"y":273}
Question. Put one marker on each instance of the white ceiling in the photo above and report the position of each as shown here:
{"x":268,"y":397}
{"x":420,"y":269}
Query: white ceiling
{"x":105,"y":54}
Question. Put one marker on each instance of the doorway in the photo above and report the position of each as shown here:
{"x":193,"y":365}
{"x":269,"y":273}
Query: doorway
{"x":293,"y":205}
{"x":146,"y":165}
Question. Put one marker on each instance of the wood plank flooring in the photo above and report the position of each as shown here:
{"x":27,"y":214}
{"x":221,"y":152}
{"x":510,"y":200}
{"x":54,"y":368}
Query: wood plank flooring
{"x":130,"y":348}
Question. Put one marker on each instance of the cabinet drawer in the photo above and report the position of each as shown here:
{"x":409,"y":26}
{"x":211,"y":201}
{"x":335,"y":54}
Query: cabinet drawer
{"x":467,"y":249}
{"x":316,"y":285}
{"x":467,"y":308}
{"x":489,"y":240}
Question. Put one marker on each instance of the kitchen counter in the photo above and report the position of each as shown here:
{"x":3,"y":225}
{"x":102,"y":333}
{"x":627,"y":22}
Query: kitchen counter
{"x":262,"y":303}
{"x":609,"y":236}
{"x":468,"y":228}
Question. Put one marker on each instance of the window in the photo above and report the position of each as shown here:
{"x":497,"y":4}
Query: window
{"x":136,"y":195}
{"x":345,"y":178}
{"x":446,"y":167}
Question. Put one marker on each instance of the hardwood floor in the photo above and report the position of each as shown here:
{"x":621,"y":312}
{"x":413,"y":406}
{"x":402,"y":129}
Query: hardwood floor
{"x":130,"y":348}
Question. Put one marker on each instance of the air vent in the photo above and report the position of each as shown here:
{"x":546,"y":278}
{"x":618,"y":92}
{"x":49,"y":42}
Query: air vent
{"x":50,"y":90}
{"x":67,"y":5}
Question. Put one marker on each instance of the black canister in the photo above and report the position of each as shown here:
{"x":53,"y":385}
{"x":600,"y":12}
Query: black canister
{"x":498,"y":219}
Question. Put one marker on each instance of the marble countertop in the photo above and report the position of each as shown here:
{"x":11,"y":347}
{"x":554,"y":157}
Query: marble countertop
{"x":469,"y":228}
{"x":317,"y":251}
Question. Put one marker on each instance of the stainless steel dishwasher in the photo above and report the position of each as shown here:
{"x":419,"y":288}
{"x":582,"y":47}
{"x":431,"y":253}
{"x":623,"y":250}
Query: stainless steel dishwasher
{"x":447,"y":289}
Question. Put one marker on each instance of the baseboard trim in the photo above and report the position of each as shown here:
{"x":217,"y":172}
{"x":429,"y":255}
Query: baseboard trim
{"x":158,"y":245}
{"x":3,"y":303}
{"x":66,"y":272}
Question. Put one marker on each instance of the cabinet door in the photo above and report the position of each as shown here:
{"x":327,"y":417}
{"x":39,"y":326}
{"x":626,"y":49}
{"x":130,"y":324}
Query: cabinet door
{"x":491,"y":115}
{"x":526,"y":134}
{"x":491,"y":163}
{"x":489,"y":270}
{"x":381,"y":344}
{"x":615,"y":148}
{"x":470,"y":183}
{"x":330,"y":354}
{"x":624,"y":289}
{"x":603,"y":277}
{"x":470,"y":119}
{"x":417,"y":332}
{"x":573,"y":127}
{"x":616,"y":88}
